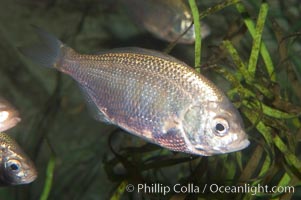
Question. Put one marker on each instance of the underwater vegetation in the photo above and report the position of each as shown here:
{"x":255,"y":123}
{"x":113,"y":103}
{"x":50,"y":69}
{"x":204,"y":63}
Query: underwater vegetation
{"x":252,"y":54}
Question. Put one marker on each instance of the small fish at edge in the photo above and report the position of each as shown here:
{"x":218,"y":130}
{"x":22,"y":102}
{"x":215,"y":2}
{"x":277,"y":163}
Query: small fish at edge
{"x":16,"y":168}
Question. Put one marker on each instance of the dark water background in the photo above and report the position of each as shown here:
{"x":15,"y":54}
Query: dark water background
{"x":54,"y":116}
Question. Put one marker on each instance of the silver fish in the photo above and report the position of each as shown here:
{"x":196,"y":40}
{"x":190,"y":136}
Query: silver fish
{"x":9,"y":116}
{"x":151,"y":95}
{"x":15,"y":166}
{"x":166,"y":19}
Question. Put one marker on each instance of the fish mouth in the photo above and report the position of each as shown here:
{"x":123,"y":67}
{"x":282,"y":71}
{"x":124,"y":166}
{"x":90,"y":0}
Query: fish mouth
{"x":30,"y":178}
{"x":30,"y":175}
{"x":238,"y":146}
{"x":221,"y":150}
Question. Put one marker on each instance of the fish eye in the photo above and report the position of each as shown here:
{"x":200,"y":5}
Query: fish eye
{"x":220,"y":127}
{"x":13,"y":165}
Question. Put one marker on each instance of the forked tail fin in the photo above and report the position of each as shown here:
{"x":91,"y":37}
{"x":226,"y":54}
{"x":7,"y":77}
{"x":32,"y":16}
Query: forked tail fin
{"x":47,"y":52}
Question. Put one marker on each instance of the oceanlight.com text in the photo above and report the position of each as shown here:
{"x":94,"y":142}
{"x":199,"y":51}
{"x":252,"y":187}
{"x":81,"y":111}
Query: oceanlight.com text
{"x":159,"y":188}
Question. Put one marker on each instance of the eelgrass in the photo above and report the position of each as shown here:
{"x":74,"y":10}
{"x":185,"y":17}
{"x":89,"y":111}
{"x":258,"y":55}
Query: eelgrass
{"x":252,"y":30}
{"x":49,"y":178}
{"x":270,"y":120}
{"x":197,"y":31}
{"x":119,"y":190}
{"x":257,"y":38}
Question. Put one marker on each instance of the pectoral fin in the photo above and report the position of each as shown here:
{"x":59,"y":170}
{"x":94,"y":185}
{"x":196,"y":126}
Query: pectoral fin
{"x":172,"y":140}
{"x":92,"y":106}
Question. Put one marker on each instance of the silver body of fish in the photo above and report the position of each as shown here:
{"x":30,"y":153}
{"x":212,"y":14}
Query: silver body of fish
{"x":15,"y":166}
{"x":151,"y":95}
{"x":167,"y":19}
{"x":9,"y":116}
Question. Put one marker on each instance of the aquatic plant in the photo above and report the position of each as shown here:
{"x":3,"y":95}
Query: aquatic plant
{"x":272,"y":121}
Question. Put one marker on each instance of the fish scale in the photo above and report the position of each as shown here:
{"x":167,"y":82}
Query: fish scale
{"x":113,"y":72}
{"x":151,"y":95}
